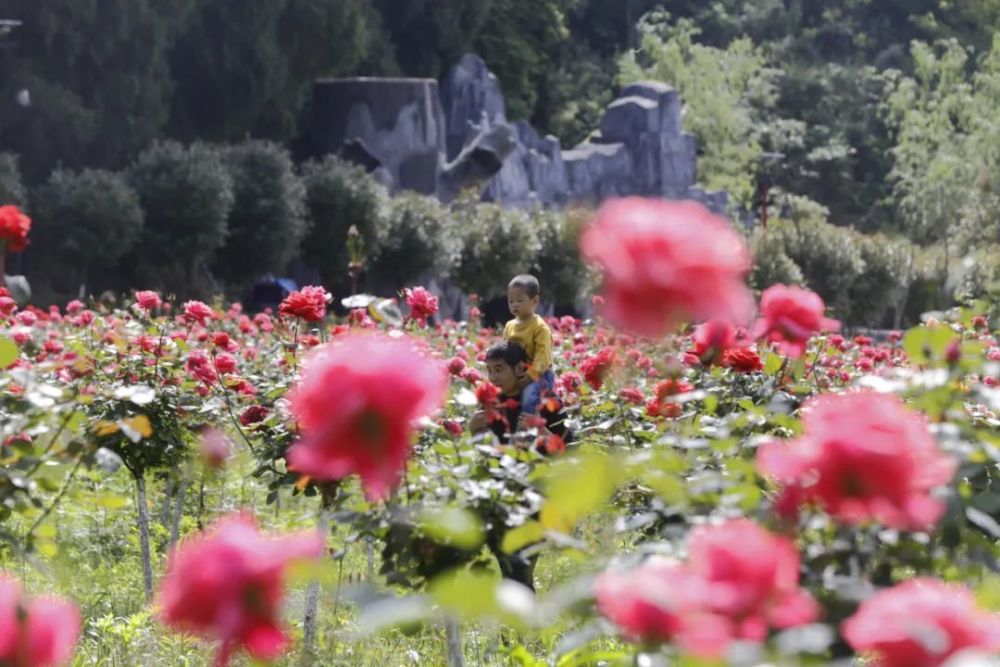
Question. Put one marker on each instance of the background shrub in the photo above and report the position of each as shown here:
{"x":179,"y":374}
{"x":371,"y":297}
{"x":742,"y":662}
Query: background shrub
{"x":339,"y":195}
{"x":419,"y":236}
{"x":267,"y":221}
{"x":497,"y":244}
{"x":187,"y":194}
{"x":560,"y":269}
{"x":88,"y":220}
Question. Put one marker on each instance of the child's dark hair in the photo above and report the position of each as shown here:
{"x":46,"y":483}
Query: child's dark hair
{"x":508,"y":352}
{"x":527,"y":282}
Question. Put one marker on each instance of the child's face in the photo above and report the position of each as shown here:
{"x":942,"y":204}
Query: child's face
{"x":520,"y":304}
{"x":503,"y":375}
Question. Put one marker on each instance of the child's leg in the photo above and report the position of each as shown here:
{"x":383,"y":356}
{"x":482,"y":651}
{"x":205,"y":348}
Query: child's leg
{"x":530,"y":398}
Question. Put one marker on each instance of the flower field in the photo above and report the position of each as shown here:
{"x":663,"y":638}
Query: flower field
{"x":187,"y":483}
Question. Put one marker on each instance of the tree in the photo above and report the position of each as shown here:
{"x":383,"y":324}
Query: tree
{"x":12,"y":189}
{"x":97,"y":76}
{"x":724,"y":91}
{"x":88,"y":219}
{"x":429,"y":36}
{"x":187,"y":195}
{"x":519,"y":41}
{"x":931,"y":115}
{"x":246,"y":67}
{"x":267,"y":221}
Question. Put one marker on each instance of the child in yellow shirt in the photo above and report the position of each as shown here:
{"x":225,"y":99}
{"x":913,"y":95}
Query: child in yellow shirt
{"x":530,"y":331}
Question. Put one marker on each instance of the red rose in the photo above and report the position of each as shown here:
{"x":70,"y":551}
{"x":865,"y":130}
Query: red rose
{"x":712,"y":340}
{"x":200,"y":367}
{"x":742,"y":360}
{"x":14,"y":228}
{"x":422,"y":303}
{"x":147,"y":300}
{"x":253,"y":415}
{"x":921,"y":623}
{"x":790,"y":316}
{"x":308,"y":304}
{"x":665,"y":262}
{"x":223,"y":341}
{"x":751,"y":577}
{"x":487,"y":396}
{"x":356,"y":404}
{"x":659,"y":405}
{"x":225,"y":363}
{"x":632,"y":395}
{"x":595,"y":369}
{"x":453,"y":427}
{"x":196,"y":311}
{"x":862,"y":456}
{"x":228,"y":585}
{"x":456,"y":365}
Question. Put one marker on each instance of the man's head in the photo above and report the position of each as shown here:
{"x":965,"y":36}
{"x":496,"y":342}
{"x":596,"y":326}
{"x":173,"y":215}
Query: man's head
{"x":522,"y":296}
{"x":504,"y":363}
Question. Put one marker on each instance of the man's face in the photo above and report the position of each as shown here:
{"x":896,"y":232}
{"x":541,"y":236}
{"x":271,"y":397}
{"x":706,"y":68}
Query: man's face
{"x":503,"y":375}
{"x":520,"y":303}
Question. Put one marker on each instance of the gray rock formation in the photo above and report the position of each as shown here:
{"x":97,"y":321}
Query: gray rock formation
{"x":397,"y":123}
{"x":441,"y":142}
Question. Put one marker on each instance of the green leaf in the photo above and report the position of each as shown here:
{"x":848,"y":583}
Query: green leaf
{"x":453,"y":526}
{"x":468,"y":593}
{"x":578,"y":486}
{"x":9,"y":352}
{"x":111,"y":502}
{"x":925,"y":345}
{"x":772,"y":363}
{"x":520,"y":537}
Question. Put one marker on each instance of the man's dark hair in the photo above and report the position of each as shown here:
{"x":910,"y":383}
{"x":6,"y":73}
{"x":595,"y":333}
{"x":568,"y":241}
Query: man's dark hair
{"x":508,"y":352}
{"x":526,"y":282}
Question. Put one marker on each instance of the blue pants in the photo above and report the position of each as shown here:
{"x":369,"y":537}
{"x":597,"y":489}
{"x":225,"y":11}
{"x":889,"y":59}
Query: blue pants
{"x":531,"y":395}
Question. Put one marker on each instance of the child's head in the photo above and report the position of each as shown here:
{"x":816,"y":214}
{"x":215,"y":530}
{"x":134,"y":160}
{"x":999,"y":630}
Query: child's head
{"x":522,"y":296}
{"x":504,"y":363}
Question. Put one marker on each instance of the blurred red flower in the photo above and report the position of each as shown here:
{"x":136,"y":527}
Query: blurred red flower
{"x":356,"y":404}
{"x":14,"y":228}
{"x":790,"y":316}
{"x":921,"y":623}
{"x":665,"y":262}
{"x":862,"y":457}
{"x":228,"y":585}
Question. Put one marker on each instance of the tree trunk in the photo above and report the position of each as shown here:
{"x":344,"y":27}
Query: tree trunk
{"x":327,"y":493}
{"x":143,"y":520}
{"x":168,"y":494}
{"x":453,"y":634}
{"x":175,"y":524}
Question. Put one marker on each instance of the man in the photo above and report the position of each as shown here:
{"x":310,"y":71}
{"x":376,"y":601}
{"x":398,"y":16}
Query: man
{"x":505,"y":365}
{"x":547,"y":432}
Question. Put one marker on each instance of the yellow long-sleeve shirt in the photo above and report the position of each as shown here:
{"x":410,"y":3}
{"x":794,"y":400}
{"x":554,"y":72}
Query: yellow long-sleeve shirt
{"x":536,"y":339}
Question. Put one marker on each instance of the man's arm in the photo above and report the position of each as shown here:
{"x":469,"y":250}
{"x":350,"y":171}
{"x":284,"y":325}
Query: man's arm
{"x":478,"y":422}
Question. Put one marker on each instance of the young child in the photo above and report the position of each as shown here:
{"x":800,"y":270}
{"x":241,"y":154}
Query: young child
{"x":530,"y":331}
